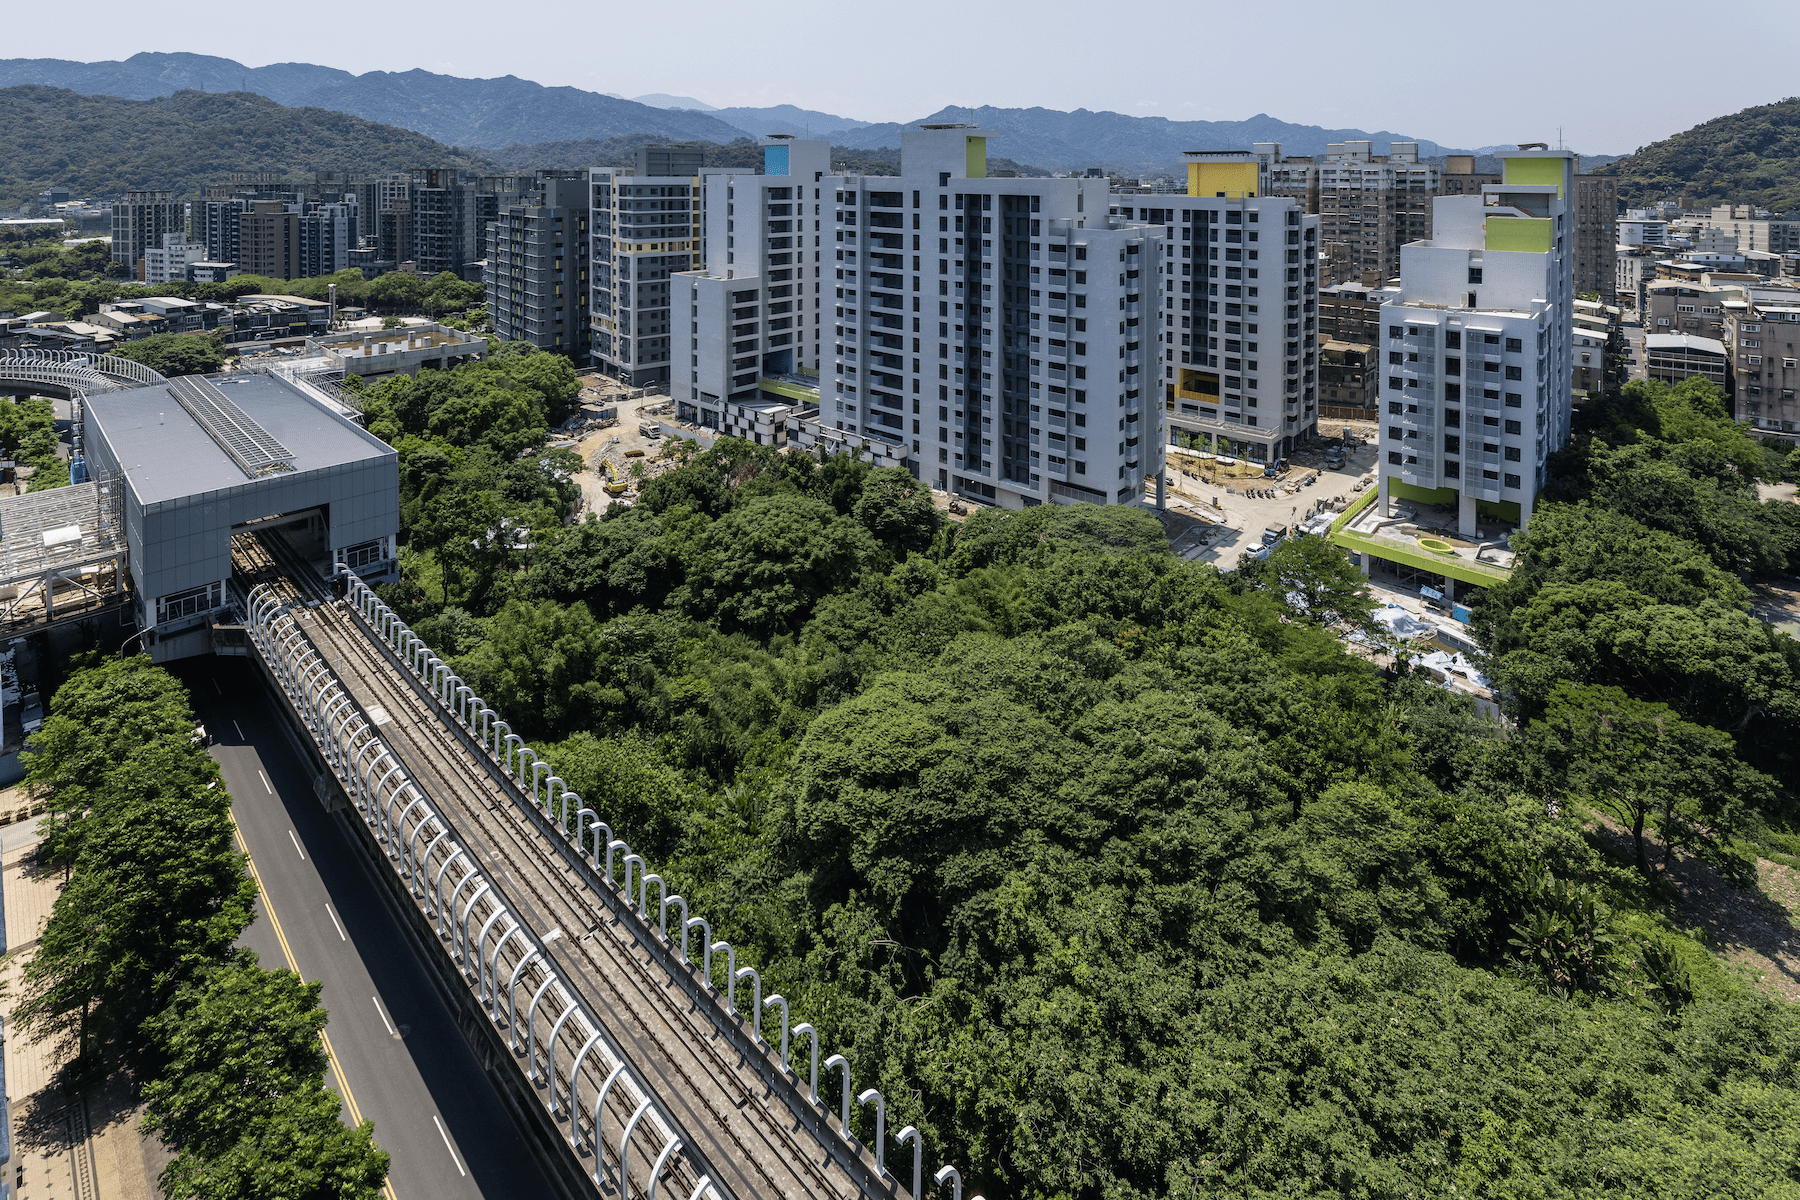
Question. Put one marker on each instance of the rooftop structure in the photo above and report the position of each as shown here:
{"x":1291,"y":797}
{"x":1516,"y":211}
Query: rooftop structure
{"x":198,"y":459}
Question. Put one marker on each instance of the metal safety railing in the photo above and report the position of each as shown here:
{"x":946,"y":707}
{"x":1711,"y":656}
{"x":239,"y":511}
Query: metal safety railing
{"x":485,"y":935}
{"x":545,"y":795}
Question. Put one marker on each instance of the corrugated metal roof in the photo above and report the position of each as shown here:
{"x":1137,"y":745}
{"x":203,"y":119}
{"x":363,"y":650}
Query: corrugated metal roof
{"x":166,"y":455}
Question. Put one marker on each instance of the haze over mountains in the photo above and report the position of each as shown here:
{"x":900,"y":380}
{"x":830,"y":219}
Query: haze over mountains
{"x":483,"y":114}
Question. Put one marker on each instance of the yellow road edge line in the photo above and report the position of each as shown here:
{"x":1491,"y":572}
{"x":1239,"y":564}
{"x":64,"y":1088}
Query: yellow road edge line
{"x":337,"y":1068}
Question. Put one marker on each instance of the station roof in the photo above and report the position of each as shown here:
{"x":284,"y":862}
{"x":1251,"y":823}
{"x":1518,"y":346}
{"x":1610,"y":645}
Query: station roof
{"x":167,"y":454}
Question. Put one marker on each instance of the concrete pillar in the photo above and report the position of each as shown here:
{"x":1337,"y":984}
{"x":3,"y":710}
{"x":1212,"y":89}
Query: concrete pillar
{"x":1381,"y":485}
{"x":1465,"y":515}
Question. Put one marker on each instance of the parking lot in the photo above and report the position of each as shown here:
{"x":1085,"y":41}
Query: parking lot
{"x":1217,"y":514}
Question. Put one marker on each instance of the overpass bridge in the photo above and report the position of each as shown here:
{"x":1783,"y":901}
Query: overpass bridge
{"x":659,"y":1062}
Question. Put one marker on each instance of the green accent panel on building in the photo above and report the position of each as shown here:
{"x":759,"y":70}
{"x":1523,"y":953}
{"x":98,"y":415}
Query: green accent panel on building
{"x":977,"y":157}
{"x":1460,"y":569}
{"x":1419,"y":495}
{"x":1530,"y":235}
{"x":788,"y":391}
{"x":1534,"y":172}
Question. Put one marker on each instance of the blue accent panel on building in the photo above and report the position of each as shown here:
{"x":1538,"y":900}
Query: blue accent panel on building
{"x":775,"y":160}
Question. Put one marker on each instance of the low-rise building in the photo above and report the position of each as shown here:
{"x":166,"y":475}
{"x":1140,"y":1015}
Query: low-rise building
{"x":169,"y":262}
{"x":1673,"y":357}
{"x":1763,"y":342}
{"x":1351,"y":312}
{"x":1349,"y":381}
{"x":1687,"y":306}
{"x":1594,"y":343}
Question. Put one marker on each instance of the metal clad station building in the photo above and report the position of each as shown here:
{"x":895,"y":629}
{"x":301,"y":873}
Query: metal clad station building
{"x":202,"y":459}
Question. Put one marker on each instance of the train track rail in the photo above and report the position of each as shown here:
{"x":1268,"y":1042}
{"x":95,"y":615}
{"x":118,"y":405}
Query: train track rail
{"x":673,"y":1087}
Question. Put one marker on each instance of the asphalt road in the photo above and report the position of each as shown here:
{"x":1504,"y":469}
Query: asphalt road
{"x":400,"y":1061}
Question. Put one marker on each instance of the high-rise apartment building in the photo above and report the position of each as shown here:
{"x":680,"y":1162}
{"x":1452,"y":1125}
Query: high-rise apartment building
{"x":141,"y":220}
{"x":1460,"y":178}
{"x":1370,"y":203}
{"x":644,"y":229}
{"x":1597,"y":236}
{"x":328,"y":232}
{"x":1476,"y":390}
{"x":754,"y":311}
{"x":214,"y":222}
{"x":1243,"y":365}
{"x":269,"y":240}
{"x":537,"y":265}
{"x":449,"y":218}
{"x":1005,"y":335}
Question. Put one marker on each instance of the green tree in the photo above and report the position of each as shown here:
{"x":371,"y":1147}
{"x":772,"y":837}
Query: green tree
{"x":300,"y":1150}
{"x":763,"y":566}
{"x":1313,"y":578}
{"x":232,"y":1044}
{"x":897,"y":511}
{"x":173,"y":354}
{"x":1646,"y":766}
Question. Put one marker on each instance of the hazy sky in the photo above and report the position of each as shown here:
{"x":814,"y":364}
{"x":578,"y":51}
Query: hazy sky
{"x":1459,"y":74}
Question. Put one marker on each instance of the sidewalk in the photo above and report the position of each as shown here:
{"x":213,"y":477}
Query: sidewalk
{"x":83,"y":1147}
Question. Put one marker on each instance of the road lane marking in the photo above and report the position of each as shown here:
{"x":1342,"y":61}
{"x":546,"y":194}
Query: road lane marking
{"x":337,"y":1068}
{"x":216,"y":686}
{"x":265,"y":780}
{"x":297,"y":849}
{"x":240,"y":730}
{"x":336,"y":924}
{"x":384,"y":1017}
{"x":448,"y":1146}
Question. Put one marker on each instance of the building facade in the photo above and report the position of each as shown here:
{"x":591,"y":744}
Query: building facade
{"x":1597,"y":236}
{"x":753,"y":337}
{"x":269,"y":240}
{"x":1476,"y":394}
{"x":1754,"y":229}
{"x":169,"y":262}
{"x":1370,"y":203}
{"x":537,"y":266}
{"x":1244,"y":363}
{"x":141,"y":220}
{"x":1763,"y":343}
{"x":328,"y":232}
{"x":644,"y":229}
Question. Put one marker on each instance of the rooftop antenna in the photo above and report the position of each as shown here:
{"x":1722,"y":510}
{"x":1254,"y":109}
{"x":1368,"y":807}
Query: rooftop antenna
{"x":1559,"y":138}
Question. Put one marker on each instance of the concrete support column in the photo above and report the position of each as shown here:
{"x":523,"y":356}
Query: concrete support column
{"x":1382,"y":486}
{"x":1465,"y":515}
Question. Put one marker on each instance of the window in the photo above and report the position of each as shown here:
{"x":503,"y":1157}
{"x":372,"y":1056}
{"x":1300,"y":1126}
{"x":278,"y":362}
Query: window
{"x":1512,"y":481}
{"x":1452,"y":365}
{"x":1452,"y":444}
{"x":1395,"y":331}
{"x":1512,"y":427}
{"x":1452,"y":470}
{"x":1474,"y":274}
{"x":1394,"y":381}
{"x":1490,"y":339}
{"x":1514,"y":373}
{"x":1394,"y":407}
{"x":1393,"y":433}
{"x":1452,"y":340}
{"x":1514,"y":345}
{"x":1513,"y":400}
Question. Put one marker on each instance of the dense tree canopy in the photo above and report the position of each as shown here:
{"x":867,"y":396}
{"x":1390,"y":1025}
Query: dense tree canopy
{"x":1120,"y":877}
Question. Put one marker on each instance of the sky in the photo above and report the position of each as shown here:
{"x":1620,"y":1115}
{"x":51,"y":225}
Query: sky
{"x":1462,"y":75}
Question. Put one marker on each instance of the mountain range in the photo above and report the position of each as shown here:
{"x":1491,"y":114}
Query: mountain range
{"x":482,"y":114}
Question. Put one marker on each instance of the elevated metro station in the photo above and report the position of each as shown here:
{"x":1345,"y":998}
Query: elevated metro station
{"x":169,"y":470}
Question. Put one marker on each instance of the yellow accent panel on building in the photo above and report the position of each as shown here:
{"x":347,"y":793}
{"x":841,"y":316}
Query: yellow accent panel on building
{"x":1528,"y":234}
{"x":1232,"y":179}
{"x":1198,"y":385}
{"x":1535,"y":172}
{"x":975,"y":157}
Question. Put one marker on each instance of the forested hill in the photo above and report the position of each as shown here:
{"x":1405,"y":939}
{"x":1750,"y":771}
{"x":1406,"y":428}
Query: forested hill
{"x":1749,"y":157}
{"x":104,"y":146}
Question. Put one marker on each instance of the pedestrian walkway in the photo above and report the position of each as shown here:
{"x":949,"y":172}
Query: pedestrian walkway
{"x":84,"y":1146}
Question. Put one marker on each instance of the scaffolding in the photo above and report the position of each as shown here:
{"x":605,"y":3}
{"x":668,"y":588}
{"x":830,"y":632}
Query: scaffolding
{"x":62,"y":556}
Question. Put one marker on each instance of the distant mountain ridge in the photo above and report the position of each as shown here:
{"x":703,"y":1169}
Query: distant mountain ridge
{"x":486,"y":114}
{"x":461,"y":112}
{"x":103,"y":146}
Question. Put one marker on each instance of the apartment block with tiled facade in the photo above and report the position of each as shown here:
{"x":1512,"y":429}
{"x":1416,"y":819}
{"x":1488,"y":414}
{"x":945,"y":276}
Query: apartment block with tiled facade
{"x":1763,"y":341}
{"x":1373,"y":204}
